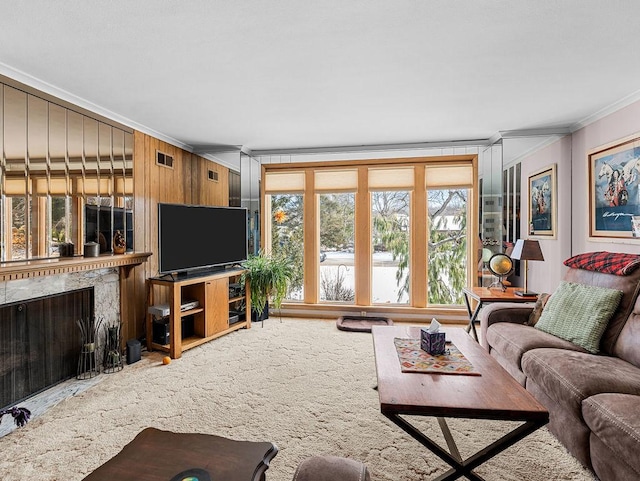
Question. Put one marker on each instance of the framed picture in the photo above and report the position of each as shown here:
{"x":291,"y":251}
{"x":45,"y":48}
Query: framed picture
{"x":614,"y":178}
{"x":543,"y":200}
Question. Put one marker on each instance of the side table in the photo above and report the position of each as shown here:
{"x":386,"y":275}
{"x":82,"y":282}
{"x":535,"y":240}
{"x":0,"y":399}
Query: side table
{"x":484,"y":295}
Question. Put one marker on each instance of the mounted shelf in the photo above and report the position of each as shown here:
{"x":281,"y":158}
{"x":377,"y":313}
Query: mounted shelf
{"x":10,"y":271}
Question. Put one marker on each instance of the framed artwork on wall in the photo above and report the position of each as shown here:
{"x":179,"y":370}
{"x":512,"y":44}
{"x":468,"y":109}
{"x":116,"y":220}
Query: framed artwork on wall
{"x":614,"y":189}
{"x":543,"y":203}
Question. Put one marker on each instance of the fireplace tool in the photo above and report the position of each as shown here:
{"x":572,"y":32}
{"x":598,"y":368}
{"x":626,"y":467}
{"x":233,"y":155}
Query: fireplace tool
{"x":87,"y":363}
{"x":113,"y":361}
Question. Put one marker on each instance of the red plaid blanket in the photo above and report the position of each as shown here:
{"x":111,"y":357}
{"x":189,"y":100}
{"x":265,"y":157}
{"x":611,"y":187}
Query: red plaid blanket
{"x":616,"y":263}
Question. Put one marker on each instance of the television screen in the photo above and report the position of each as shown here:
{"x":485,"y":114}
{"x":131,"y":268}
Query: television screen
{"x":195,"y":237}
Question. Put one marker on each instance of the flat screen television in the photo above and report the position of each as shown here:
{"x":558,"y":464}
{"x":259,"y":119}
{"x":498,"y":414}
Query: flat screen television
{"x":192,"y":237}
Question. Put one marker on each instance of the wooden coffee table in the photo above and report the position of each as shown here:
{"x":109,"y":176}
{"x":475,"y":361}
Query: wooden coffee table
{"x":492,"y":395}
{"x":156,"y":455}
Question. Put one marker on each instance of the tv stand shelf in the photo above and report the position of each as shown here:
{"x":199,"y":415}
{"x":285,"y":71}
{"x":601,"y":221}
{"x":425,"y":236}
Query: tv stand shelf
{"x":217,"y":314}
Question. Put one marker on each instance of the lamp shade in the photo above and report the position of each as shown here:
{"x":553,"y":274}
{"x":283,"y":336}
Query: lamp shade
{"x":527,"y":250}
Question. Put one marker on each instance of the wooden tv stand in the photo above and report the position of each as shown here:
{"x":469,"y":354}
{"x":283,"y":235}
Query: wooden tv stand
{"x":211,"y":319}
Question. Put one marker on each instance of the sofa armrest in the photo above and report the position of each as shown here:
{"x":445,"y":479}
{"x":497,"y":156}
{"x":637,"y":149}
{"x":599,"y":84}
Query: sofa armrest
{"x":331,"y":468}
{"x":513,"y":312}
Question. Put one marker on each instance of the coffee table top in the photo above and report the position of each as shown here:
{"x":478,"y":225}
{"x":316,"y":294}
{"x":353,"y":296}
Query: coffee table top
{"x":492,"y":395}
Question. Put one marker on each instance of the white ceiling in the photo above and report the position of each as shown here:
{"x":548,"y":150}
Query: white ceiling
{"x":294,"y":74}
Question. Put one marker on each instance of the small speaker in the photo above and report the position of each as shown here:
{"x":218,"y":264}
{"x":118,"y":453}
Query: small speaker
{"x":133,"y":351}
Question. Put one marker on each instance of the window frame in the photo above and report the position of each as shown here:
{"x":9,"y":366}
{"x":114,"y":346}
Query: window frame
{"x":363,"y":230}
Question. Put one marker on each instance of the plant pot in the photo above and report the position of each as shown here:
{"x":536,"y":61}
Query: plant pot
{"x":256,"y":317}
{"x":91,"y":249}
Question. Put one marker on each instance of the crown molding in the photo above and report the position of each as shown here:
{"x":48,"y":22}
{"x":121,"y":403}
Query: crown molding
{"x":608,"y":110}
{"x":513,"y":134}
{"x":369,"y":148}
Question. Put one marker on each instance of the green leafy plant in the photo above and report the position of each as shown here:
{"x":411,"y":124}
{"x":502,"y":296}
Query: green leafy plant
{"x":268,"y":277}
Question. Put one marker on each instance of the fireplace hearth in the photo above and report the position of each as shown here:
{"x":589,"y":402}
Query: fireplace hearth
{"x":40,"y":342}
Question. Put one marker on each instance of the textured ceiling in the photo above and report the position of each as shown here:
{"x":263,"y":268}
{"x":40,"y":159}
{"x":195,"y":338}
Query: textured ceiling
{"x":295,"y":74}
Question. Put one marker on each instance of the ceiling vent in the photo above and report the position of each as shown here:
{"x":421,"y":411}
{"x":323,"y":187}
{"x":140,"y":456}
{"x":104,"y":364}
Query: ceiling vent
{"x":164,"y":159}
{"x":213,"y":175}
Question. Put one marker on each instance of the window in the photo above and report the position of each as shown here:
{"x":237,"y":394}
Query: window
{"x":337,"y":275}
{"x":287,"y":237}
{"x":20,"y":247}
{"x":447,"y":248}
{"x":375,"y":233}
{"x":390,"y":212}
{"x":60,"y":215}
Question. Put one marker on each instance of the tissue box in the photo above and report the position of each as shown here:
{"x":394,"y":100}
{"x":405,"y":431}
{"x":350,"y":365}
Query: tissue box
{"x":432,"y":342}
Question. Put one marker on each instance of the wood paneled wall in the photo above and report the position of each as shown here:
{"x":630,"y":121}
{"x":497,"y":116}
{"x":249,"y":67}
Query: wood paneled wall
{"x":187,"y":182}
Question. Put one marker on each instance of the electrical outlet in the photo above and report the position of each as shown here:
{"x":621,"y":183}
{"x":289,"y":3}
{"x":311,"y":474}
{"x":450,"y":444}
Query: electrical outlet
{"x":363,"y":313}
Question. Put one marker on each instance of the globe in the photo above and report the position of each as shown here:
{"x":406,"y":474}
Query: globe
{"x":500,"y":265}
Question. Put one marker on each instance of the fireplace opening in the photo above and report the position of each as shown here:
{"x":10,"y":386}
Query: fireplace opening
{"x":40,"y":342}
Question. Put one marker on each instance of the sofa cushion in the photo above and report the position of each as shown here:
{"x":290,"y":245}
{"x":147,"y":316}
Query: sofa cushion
{"x":510,"y":367}
{"x":579,"y":313}
{"x":569,"y":377}
{"x":570,"y":429}
{"x":614,"y":419}
{"x":513,"y":340}
{"x":627,"y":344}
{"x":534,"y":317}
{"x":608,"y":465}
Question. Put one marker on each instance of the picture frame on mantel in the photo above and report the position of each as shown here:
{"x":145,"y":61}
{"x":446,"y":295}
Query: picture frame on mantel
{"x":543,"y":203}
{"x":614,"y":189}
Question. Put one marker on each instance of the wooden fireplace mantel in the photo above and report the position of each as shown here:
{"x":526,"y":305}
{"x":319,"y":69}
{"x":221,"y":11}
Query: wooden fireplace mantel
{"x":10,"y":271}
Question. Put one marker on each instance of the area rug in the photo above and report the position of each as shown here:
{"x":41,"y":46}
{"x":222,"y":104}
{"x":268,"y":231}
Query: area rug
{"x":304,"y":385}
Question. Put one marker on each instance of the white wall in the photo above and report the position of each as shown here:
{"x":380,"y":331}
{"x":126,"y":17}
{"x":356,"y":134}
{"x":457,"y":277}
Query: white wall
{"x":620,"y":124}
{"x":544,"y":276}
{"x":570,"y":155}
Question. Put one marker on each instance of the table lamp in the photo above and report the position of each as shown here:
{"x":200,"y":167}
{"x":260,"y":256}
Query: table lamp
{"x":526,"y":250}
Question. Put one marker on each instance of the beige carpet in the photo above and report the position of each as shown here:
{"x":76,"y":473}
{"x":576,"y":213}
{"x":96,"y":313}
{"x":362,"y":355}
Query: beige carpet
{"x":303,"y":385}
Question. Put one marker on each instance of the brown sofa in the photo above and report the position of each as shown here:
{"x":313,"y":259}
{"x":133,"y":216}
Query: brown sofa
{"x":593,"y":399}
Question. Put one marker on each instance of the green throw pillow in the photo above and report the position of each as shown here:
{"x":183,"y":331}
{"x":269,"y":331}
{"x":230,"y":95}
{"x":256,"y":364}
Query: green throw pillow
{"x":579,"y":313}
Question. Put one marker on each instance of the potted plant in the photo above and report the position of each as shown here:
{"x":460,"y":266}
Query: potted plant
{"x":268,"y":277}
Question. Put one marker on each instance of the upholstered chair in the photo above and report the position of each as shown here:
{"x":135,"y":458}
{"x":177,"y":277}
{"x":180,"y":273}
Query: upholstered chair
{"x":331,"y":468}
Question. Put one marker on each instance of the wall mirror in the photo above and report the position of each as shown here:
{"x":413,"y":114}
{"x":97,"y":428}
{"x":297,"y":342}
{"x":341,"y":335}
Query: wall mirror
{"x":250,"y":176}
{"x":65,"y":179}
